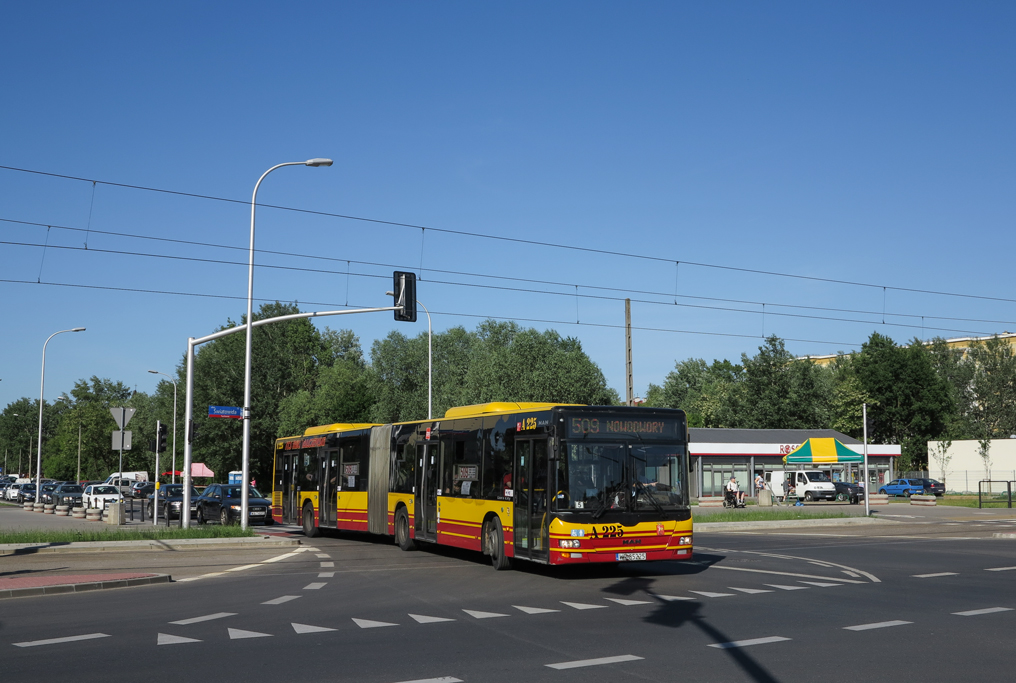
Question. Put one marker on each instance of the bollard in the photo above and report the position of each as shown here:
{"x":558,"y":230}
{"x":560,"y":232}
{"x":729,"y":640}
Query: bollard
{"x":62,"y":510}
{"x":38,"y":507}
{"x":48,"y":508}
{"x":93,"y":514}
{"x":78,"y":513}
{"x":27,"y":506}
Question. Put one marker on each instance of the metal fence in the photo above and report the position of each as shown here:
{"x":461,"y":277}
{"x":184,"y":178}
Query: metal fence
{"x":994,"y":493}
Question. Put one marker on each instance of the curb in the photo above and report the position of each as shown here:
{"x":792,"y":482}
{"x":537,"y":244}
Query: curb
{"x":700,"y":527}
{"x":83,"y":587}
{"x":150,"y":544}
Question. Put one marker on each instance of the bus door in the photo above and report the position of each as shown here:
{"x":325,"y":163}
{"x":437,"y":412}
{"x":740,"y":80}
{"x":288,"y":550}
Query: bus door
{"x":531,"y":498}
{"x":288,"y":461}
{"x":329,"y":473}
{"x":426,"y":507}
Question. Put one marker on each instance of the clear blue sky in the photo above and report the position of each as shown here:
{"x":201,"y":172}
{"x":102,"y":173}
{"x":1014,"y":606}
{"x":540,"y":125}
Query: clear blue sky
{"x":869,"y":142}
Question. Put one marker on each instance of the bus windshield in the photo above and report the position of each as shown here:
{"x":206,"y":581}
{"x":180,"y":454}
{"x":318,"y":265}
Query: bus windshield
{"x":611,"y":476}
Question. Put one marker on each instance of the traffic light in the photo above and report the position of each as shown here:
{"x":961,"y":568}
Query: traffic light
{"x":404,"y":294}
{"x":163,"y":433}
{"x":192,"y":433}
{"x":152,"y":445}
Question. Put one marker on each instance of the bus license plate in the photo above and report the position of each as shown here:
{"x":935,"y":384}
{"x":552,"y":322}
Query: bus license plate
{"x":630,"y":557}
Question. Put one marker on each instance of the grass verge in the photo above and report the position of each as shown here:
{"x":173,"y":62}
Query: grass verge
{"x":764,"y":515}
{"x":102,"y":535}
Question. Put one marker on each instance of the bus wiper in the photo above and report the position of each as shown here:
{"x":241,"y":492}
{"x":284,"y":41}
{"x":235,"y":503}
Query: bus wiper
{"x":649,"y":494}
{"x":609,"y":494}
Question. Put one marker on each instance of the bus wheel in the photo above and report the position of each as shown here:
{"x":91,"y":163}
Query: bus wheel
{"x":402,"y":537}
{"x":309,"y":530}
{"x":495,"y":541}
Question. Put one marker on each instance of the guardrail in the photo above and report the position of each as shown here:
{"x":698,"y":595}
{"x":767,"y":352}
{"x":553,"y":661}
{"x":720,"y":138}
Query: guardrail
{"x":994,"y":493}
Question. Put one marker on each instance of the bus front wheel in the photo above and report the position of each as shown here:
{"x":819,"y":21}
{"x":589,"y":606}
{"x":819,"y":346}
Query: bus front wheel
{"x":402,"y":537}
{"x":309,"y":530}
{"x":495,"y":543}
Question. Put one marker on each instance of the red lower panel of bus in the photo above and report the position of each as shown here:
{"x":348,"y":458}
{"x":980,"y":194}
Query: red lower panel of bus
{"x":459,"y":534}
{"x":576,"y":557}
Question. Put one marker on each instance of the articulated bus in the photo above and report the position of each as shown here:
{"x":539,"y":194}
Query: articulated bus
{"x":550,"y":483}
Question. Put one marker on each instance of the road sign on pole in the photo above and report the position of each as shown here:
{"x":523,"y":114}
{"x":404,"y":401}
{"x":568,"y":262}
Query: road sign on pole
{"x":122,"y":416}
{"x":225,"y":411}
{"x":122,"y":439}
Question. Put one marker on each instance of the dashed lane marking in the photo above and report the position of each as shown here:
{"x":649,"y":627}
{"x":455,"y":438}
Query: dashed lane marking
{"x":55,"y":641}
{"x":239,"y":634}
{"x":748,"y":643}
{"x":167,"y":639}
{"x":423,"y":619}
{"x":207,"y":617}
{"x":749,"y":591}
{"x":878,"y":624}
{"x":304,"y":628}
{"x":443,"y":679}
{"x":594,"y":662}
{"x":325,"y":556}
{"x":787,"y":588}
{"x":367,"y":623}
{"x":279,"y":558}
{"x":326,"y":575}
{"x":534,"y":610}
{"x":791,"y":574}
{"x":483,"y":615}
{"x":628,"y":603}
{"x":670,"y":598}
{"x":1000,"y":569}
{"x":582,"y":605}
{"x":821,"y":584}
{"x":279,"y":601}
{"x":318,"y":585}
{"x":709,"y":594}
{"x":979,"y":612}
{"x":933,"y":576}
{"x":327,"y":564}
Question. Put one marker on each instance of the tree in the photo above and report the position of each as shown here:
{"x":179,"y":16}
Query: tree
{"x":993,"y":389}
{"x":942,"y":457}
{"x":984,"y":450}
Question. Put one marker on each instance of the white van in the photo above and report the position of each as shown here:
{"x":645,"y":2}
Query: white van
{"x":132,"y":476}
{"x":806,"y":484}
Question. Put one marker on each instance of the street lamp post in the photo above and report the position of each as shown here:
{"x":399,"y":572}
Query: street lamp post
{"x":245,"y":467}
{"x":42,"y":391}
{"x":173,"y":474}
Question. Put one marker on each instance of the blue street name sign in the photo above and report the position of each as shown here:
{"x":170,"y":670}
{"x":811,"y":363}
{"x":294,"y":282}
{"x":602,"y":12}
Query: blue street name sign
{"x":225,"y":411}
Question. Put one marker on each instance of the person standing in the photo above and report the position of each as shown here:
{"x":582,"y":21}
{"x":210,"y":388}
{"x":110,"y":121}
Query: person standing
{"x":760,"y":483}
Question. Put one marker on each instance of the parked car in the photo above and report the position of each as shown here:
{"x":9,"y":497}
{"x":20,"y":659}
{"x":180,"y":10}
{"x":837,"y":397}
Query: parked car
{"x":68,"y":494}
{"x":171,"y":501}
{"x":933,"y":487}
{"x":142,"y":489}
{"x":846,"y":490}
{"x":47,"y":492}
{"x":12,"y":492}
{"x":26,"y":494}
{"x":222,"y":502}
{"x":902,"y":487}
{"x":100,"y":495}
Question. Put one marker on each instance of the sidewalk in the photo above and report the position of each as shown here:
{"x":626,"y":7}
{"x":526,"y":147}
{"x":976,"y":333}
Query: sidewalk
{"x":24,"y":586}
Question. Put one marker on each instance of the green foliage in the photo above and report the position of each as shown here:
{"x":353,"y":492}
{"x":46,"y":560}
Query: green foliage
{"x":992,"y":397}
{"x":104,"y":535}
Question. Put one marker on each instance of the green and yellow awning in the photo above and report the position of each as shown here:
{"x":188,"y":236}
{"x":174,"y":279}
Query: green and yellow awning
{"x":822,"y":452}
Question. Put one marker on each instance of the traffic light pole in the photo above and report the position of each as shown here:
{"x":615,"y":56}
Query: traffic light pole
{"x":155,"y":496}
{"x":189,"y":395}
{"x":867,"y":479}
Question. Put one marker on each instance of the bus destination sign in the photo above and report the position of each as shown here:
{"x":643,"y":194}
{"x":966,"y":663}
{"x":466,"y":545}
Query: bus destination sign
{"x":618,"y":426}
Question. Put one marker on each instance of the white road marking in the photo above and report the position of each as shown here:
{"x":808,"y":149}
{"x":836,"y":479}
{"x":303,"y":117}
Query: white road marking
{"x":1000,"y":569}
{"x":325,"y":556}
{"x":708,"y":594}
{"x":670,"y":598}
{"x":367,"y":623}
{"x":443,"y":679}
{"x":483,"y":615}
{"x":796,"y":576}
{"x":241,"y":568}
{"x":203,"y":576}
{"x":582,"y":605}
{"x":747,"y":643}
{"x":238,"y":634}
{"x":423,"y":619}
{"x":315,"y":586}
{"x":309,"y":549}
{"x":628,"y":603}
{"x":279,"y":601}
{"x":54,"y":641}
{"x":304,"y":628}
{"x":932,"y":576}
{"x":535,"y":610}
{"x":327,"y":564}
{"x":822,"y":585}
{"x":326,"y":575}
{"x":207,"y":617}
{"x":167,"y":639}
{"x":787,"y":588}
{"x":594,"y":662}
{"x":749,"y":591}
{"x":278,"y":558}
{"x":879,"y":624}
{"x":978,"y":612}
{"x":854,"y":574}
{"x":820,"y":564}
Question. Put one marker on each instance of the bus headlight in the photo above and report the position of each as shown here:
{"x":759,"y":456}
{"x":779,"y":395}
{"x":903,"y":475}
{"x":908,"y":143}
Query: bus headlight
{"x":684,"y":540}
{"x":569,"y":543}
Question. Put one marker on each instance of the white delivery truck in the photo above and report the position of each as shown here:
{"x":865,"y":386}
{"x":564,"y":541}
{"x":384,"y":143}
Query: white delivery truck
{"x":806,"y":484}
{"x":123,"y":480}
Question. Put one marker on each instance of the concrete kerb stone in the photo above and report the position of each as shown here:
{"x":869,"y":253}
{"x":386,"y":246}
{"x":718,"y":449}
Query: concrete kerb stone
{"x":705,"y":527}
{"x":148,"y":544}
{"x":83,"y":587}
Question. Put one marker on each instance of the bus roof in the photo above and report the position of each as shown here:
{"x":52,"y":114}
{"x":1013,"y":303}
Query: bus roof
{"x":338,"y":427}
{"x":498,"y":407}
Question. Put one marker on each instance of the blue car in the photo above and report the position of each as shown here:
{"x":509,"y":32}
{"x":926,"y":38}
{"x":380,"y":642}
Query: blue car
{"x":902,"y":487}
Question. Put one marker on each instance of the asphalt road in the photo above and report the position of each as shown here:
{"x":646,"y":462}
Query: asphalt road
{"x":928,"y":599}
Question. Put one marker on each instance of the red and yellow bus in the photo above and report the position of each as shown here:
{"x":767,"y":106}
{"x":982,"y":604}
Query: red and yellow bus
{"x":545,"y":482}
